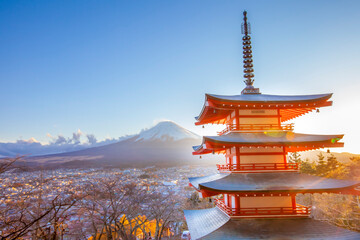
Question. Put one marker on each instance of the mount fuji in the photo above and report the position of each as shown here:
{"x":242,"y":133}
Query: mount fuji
{"x":166,"y":131}
{"x":165,"y":144}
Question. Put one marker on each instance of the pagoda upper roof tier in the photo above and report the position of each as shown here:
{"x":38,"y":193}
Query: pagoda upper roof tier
{"x":271,"y":183}
{"x":218,"y":107}
{"x":213,"y":224}
{"x":293,"y":142}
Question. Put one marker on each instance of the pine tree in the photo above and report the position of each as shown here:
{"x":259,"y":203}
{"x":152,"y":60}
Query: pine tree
{"x":321,"y":167}
{"x":353,"y":168}
{"x":294,"y":157}
{"x":332,"y":163}
{"x":307,"y":167}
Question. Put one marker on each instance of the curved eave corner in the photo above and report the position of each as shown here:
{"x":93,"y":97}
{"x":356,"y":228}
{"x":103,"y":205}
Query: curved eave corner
{"x":204,"y":221}
{"x":201,"y":149}
{"x":199,"y":117}
{"x":196,"y":181}
{"x":196,"y":149}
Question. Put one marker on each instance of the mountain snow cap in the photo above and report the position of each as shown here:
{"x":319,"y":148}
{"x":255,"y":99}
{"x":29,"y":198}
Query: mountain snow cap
{"x":166,"y":130}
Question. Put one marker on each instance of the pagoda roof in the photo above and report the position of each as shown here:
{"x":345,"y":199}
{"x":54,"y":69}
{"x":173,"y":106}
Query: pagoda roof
{"x":217,"y":107}
{"x":271,"y":182}
{"x":299,"y":141}
{"x":213,"y":224}
{"x":267,"y":98}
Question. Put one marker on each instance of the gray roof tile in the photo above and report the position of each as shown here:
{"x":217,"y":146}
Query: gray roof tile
{"x":212,"y":224}
{"x":269,"y":182}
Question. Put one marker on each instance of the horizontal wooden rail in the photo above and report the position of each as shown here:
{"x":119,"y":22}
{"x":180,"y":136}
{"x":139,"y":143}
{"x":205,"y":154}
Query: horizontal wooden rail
{"x":258,"y":166}
{"x":298,"y":210}
{"x":251,"y":127}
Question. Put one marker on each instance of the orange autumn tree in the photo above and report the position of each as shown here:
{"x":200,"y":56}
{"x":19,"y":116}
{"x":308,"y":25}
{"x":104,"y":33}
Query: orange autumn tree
{"x":139,"y":228}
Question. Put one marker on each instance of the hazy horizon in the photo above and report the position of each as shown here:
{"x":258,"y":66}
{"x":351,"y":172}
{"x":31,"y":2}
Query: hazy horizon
{"x":109,"y":69}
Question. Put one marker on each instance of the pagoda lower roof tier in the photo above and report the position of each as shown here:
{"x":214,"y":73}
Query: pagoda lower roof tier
{"x":293,"y":142}
{"x":218,"y":107}
{"x":213,"y":224}
{"x":244,"y":184}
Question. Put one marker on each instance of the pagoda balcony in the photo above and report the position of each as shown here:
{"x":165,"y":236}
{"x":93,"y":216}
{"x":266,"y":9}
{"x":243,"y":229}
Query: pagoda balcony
{"x":257,"y":167}
{"x":298,"y":211}
{"x":257,"y":127}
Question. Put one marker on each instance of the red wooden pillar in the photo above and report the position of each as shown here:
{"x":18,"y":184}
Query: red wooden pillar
{"x":293,"y":201}
{"x":237,"y":119}
{"x":229,"y":203}
{"x":227,"y":156}
{"x":237,"y":153}
{"x":279,"y":121}
{"x":284,"y":154}
{"x":237,"y":204}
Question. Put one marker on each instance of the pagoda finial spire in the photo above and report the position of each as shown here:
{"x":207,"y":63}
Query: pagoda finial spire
{"x":248,"y":65}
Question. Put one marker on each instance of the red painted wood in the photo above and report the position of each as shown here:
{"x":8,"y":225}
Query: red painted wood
{"x":259,"y":116}
{"x":287,"y":111}
{"x":284,"y":153}
{"x":260,"y":153}
{"x":278,"y":113}
{"x":257,"y":166}
{"x":238,"y":161}
{"x":237,"y":119}
{"x":297,"y":210}
{"x":293,"y":200}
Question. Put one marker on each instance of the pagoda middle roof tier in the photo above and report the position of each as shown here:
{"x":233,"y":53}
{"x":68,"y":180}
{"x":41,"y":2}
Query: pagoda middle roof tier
{"x":290,"y":140}
{"x":218,"y":107}
{"x":272,"y":182}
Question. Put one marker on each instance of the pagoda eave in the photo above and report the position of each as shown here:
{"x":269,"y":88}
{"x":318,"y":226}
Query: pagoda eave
{"x":215,"y":110}
{"x":268,"y":98}
{"x":208,"y":192}
{"x":291,"y":142}
{"x":267,"y":183}
{"x":213,"y":224}
{"x":288,"y":147}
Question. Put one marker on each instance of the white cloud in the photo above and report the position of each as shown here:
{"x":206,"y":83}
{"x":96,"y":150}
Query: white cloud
{"x":76,"y":137}
{"x":57,"y":144}
{"x":91,"y":139}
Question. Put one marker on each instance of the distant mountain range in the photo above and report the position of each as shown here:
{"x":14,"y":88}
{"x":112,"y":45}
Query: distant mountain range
{"x":343,"y":157}
{"x":166,"y":144}
{"x":60,"y":144}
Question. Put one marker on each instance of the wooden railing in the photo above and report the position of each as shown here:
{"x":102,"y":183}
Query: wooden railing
{"x":299,"y":210}
{"x":252,"y":127}
{"x":257,"y":166}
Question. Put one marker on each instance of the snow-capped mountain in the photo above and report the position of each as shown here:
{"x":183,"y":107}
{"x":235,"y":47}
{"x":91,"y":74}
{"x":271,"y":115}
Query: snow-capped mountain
{"x":165,"y":144}
{"x":166,"y":130}
{"x":163,"y":131}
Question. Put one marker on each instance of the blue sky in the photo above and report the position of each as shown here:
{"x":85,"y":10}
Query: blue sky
{"x":111,"y":68}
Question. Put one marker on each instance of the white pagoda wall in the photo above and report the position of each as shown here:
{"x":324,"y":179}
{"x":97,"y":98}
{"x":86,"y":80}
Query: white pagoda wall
{"x":262,"y":159}
{"x":273,"y":121}
{"x":258,"y":112}
{"x":261,"y":149}
{"x":258,"y":202}
{"x":276,"y":155}
{"x":270,"y":117}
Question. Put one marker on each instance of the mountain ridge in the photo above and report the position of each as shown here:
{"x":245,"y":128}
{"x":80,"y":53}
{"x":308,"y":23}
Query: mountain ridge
{"x":165,"y":144}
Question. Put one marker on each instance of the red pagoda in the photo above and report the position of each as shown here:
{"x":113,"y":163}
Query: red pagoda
{"x":255,"y":190}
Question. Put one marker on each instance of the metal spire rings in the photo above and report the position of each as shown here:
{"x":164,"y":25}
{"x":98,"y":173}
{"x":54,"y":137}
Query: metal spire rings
{"x":248,"y":62}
